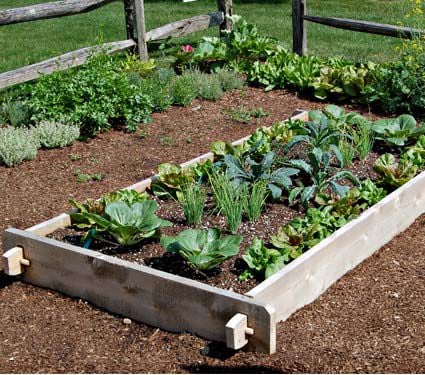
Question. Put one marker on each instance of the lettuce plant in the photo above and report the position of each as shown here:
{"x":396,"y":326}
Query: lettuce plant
{"x":171,"y":178}
{"x":202,"y":249}
{"x":394,"y":174}
{"x":416,"y":153}
{"x":262,"y":261}
{"x":127,"y":224}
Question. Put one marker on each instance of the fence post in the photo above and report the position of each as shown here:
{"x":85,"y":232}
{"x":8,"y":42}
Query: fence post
{"x":225,"y":6}
{"x":135,"y":25}
{"x":299,"y":26}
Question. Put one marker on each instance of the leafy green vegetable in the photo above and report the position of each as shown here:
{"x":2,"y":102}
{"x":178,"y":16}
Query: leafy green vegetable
{"x":250,"y":171}
{"x":262,"y":261}
{"x":320,"y":177}
{"x":416,"y":153}
{"x":203,"y":249}
{"x":397,"y":131}
{"x":394,"y":175}
{"x":128,"y":224}
{"x":171,"y":178}
{"x":91,"y":206}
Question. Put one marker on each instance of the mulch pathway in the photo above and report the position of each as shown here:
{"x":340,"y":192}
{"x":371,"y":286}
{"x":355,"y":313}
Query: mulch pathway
{"x":372,"y":320}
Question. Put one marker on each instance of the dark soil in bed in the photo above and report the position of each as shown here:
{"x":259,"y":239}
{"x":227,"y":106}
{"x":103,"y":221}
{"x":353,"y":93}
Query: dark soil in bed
{"x":151,"y":253}
{"x":372,"y":320}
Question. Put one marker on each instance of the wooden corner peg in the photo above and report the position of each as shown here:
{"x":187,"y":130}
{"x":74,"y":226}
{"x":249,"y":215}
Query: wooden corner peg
{"x":237,"y":331}
{"x":14,"y":261}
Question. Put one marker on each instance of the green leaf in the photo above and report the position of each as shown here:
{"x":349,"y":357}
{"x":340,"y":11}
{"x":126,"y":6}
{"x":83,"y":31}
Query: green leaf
{"x":202,"y":249}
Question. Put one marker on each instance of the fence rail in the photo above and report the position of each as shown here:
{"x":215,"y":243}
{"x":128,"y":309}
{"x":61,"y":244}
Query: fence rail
{"x":49,"y":10}
{"x":300,"y":18}
{"x":135,"y":27}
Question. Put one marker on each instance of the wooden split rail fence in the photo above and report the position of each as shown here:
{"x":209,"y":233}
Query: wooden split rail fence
{"x":137,"y":36}
{"x":300,"y":19}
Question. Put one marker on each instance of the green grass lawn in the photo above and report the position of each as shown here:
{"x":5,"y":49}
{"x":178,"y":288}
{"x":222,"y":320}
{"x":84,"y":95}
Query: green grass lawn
{"x":27,"y":43}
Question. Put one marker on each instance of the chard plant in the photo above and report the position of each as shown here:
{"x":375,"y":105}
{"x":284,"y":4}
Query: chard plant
{"x":203,"y":249}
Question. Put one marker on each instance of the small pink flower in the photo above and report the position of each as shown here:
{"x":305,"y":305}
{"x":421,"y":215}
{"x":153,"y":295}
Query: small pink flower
{"x":187,"y":48}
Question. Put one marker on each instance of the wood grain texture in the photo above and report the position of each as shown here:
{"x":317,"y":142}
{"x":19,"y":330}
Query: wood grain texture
{"x":366,"y":26}
{"x":63,"y":62}
{"x":186,"y":26}
{"x":140,"y":29}
{"x":49,"y":10}
{"x":299,"y":27}
{"x":307,"y":277}
{"x":141,"y":293}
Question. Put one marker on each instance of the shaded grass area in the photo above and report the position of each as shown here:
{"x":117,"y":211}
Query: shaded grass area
{"x":27,"y":43}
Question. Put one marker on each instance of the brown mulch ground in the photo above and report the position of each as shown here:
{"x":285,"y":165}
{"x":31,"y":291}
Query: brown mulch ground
{"x":372,"y":320}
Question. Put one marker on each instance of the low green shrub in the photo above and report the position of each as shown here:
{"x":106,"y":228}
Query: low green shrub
{"x":95,"y":96}
{"x":15,"y":112}
{"x":54,"y":134}
{"x":230,"y":80}
{"x":17,"y":145}
{"x":208,"y":86}
{"x":184,"y":90}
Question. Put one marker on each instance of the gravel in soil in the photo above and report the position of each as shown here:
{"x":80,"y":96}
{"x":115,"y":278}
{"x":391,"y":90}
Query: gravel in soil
{"x":372,"y":320}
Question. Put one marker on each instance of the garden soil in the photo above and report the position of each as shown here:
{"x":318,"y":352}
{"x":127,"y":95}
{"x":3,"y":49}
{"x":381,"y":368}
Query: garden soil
{"x":372,"y":320}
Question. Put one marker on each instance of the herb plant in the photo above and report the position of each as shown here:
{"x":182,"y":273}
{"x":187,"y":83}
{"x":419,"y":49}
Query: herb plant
{"x":229,"y":199}
{"x":17,"y":145}
{"x":192,"y":199}
{"x":202,"y":249}
{"x":255,"y":199}
{"x":52,"y":135}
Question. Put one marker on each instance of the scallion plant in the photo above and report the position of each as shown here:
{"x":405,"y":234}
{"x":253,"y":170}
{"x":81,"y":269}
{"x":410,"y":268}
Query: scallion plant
{"x":192,"y":200}
{"x":229,"y":198}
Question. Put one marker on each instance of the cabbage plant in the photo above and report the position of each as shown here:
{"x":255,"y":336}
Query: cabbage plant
{"x":202,"y":249}
{"x":128,"y":224}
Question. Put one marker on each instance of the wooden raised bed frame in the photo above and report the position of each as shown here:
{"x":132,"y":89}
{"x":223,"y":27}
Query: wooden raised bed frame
{"x":178,"y":304}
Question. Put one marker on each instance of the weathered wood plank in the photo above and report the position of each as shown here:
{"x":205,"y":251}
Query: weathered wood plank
{"x":139,"y":292}
{"x":186,"y":26}
{"x":299,"y":27}
{"x":366,"y":26}
{"x":63,"y":62}
{"x":225,"y":7}
{"x":140,"y":28}
{"x":49,"y":226}
{"x":49,"y":10}
{"x":303,"y":280}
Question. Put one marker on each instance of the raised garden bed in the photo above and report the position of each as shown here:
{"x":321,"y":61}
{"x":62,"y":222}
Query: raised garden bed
{"x":178,"y":304}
